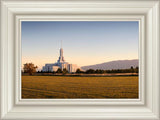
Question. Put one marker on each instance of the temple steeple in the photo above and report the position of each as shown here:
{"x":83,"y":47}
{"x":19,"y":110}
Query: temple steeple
{"x":61,"y":52}
{"x":61,"y":58}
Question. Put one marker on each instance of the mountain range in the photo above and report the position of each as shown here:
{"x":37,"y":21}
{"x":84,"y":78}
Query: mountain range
{"x":119,"y":64}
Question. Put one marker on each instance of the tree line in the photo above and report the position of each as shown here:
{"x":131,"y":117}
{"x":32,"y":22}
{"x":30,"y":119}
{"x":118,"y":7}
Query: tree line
{"x":31,"y":68}
{"x":100,"y":71}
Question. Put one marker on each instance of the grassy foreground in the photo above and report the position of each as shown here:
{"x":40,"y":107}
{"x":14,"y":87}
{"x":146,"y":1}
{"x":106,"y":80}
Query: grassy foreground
{"x":79,"y":87}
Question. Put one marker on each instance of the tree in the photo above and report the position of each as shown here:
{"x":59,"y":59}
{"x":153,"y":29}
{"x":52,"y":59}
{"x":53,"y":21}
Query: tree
{"x":59,"y":70}
{"x":65,"y":71}
{"x":78,"y":71}
{"x":99,"y":71}
{"x":54,"y":72}
{"x":132,"y":69}
{"x":90,"y":71}
{"x":29,"y":68}
{"x":137,"y":69}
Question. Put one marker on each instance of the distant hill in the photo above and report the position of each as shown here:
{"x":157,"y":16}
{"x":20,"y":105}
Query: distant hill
{"x":119,"y":64}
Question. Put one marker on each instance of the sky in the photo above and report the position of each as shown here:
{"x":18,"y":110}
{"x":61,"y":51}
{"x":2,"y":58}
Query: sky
{"x":83,"y":42}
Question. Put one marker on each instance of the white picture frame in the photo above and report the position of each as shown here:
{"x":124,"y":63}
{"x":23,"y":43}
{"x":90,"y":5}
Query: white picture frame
{"x":145,"y":108}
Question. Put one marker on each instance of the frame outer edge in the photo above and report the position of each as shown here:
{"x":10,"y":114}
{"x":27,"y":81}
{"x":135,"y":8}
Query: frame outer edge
{"x":156,"y":107}
{"x":4,"y":68}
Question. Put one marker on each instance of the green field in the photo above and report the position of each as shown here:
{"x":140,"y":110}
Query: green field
{"x":79,"y":87}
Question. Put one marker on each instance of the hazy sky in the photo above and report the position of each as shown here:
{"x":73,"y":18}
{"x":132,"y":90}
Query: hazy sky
{"x":84,"y":43}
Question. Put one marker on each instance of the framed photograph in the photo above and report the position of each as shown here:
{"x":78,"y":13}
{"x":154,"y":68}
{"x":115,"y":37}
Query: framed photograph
{"x":89,"y":44}
{"x":80,"y":60}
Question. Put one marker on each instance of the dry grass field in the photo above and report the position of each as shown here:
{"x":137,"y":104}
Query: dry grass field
{"x":79,"y":87}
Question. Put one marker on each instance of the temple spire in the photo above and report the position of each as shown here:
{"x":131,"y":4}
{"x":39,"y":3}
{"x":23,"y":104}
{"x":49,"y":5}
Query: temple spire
{"x":61,"y":58}
{"x":61,"y":50}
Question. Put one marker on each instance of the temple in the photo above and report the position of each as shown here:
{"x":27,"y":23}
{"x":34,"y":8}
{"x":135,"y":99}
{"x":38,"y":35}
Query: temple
{"x":71,"y":68}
